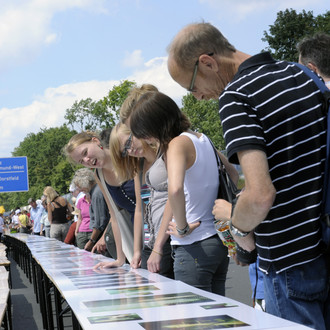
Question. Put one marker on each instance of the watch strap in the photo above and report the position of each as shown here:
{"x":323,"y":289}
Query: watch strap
{"x":235,"y":231}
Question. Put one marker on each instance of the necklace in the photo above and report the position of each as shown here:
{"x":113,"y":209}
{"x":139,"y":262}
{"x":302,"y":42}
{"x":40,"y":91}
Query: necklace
{"x":124,"y":193}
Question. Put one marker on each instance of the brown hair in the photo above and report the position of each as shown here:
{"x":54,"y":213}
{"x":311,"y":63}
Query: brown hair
{"x":157,"y":116}
{"x":316,"y":50}
{"x":132,"y":97}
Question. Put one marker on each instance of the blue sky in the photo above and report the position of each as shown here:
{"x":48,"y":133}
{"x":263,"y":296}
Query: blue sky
{"x":53,"y":52}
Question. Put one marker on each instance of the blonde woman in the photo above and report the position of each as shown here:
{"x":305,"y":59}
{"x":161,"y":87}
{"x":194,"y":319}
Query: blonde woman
{"x":87,"y":149}
{"x":132,"y":157}
{"x":57,"y":207}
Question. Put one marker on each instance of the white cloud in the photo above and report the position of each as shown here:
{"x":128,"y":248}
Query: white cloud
{"x":133,"y":59}
{"x":48,"y":110}
{"x":50,"y":38}
{"x":25,"y":26}
{"x":155,"y":72}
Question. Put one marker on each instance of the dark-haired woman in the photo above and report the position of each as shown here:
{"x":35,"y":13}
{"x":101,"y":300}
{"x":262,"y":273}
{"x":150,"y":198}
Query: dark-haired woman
{"x":200,"y":259}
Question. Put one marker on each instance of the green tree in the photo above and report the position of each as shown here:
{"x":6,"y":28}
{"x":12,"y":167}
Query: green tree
{"x":289,"y":28}
{"x":92,"y":115}
{"x":204,"y":118}
{"x":116,"y":96}
{"x":46,"y":164}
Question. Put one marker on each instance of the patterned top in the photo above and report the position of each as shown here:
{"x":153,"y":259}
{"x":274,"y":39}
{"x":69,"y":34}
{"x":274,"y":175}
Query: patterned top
{"x":274,"y":107}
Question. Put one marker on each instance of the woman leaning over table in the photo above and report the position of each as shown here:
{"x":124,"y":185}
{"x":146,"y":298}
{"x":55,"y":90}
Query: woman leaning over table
{"x":87,"y":149}
{"x":200,"y":258}
{"x":133,"y":157}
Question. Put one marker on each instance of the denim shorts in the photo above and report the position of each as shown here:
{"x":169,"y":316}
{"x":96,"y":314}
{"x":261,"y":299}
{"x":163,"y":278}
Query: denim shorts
{"x":299,"y":294}
{"x":203,"y":264}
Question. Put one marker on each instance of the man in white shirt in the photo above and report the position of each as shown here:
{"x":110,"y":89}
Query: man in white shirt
{"x":36,"y":212}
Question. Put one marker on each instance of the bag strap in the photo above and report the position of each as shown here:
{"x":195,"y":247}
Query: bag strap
{"x":326,"y":93}
{"x":221,"y":166}
{"x":141,"y":164}
{"x":125,"y":233}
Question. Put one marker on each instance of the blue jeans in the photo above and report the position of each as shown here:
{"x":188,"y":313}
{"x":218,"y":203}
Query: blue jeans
{"x":299,"y":294}
{"x":203,"y":264}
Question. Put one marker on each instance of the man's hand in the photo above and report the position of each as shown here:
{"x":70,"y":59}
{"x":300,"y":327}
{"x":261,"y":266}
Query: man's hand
{"x":100,"y":246}
{"x":247,"y":243}
{"x":88,"y":246}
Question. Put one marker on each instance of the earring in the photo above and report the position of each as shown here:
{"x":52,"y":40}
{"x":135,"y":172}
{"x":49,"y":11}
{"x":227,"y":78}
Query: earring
{"x":100,"y":145}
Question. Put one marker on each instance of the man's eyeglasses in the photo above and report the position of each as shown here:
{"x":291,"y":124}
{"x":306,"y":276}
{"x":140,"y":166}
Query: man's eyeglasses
{"x":191,"y":87}
{"x":127,"y":146}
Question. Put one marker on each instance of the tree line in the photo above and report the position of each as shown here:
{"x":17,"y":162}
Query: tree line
{"x":46,"y":162}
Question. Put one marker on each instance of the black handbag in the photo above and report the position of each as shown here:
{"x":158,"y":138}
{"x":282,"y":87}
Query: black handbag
{"x":228,"y":191}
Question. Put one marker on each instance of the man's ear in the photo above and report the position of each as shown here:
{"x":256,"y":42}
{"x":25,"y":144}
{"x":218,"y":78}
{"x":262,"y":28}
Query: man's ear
{"x":95,"y":139}
{"x":313,"y":67}
{"x":208,"y":62}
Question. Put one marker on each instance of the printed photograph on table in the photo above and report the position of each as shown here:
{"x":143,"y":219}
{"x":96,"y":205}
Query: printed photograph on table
{"x":89,"y":279}
{"x":207,"y":322}
{"x":90,"y":272}
{"x":113,"y":318}
{"x":141,"y":302}
{"x":135,"y":290}
{"x":113,"y":283}
{"x":215,"y":306}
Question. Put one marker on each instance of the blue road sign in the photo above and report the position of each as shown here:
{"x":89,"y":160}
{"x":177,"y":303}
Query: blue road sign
{"x":13,"y":174}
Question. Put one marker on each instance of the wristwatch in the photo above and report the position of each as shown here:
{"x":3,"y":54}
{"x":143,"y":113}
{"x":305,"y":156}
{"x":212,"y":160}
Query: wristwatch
{"x":183,"y":231}
{"x":235,"y":231}
{"x":92,"y":240}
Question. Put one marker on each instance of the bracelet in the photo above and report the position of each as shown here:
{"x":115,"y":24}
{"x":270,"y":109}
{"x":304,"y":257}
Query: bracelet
{"x":183,"y":231}
{"x":92,"y":240}
{"x":161,"y":254}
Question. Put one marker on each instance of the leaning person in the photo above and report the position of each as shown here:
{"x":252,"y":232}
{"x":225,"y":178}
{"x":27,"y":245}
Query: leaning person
{"x":200,"y":258}
{"x":87,"y":149}
{"x":274,"y":126}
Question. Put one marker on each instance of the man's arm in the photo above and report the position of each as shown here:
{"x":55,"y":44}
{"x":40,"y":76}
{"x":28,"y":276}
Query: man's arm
{"x":257,"y":197}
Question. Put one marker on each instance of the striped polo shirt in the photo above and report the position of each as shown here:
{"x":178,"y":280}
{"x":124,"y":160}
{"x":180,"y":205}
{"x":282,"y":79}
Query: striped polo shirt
{"x":274,"y":107}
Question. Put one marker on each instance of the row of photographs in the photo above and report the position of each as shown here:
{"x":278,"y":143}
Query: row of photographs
{"x":136,"y":299}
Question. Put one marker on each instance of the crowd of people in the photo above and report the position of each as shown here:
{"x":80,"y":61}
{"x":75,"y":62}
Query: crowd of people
{"x":147,"y":194}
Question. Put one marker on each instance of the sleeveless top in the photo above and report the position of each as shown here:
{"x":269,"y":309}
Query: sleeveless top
{"x":124,"y":196}
{"x":201,"y":184}
{"x":59,"y":214}
{"x":145,"y":197}
{"x":156,"y":179}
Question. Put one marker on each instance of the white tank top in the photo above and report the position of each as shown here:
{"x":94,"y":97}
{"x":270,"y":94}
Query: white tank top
{"x":200,"y":188}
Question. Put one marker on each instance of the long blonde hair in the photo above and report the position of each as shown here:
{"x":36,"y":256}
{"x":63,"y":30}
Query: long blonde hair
{"x":50,"y":193}
{"x":124,"y":167}
{"x":76,"y":141}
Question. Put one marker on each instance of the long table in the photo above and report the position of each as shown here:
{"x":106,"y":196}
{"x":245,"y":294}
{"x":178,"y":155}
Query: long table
{"x":123,"y":297}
